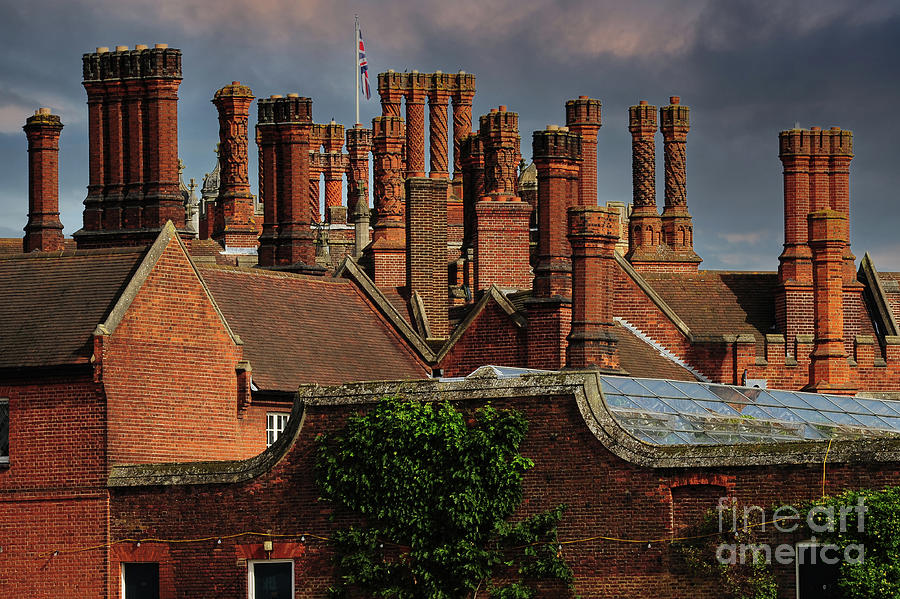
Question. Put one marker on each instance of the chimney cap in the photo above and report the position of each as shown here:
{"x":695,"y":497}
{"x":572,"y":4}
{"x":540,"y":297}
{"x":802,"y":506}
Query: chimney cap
{"x":674,"y":100}
{"x":439,"y":72}
{"x":582,"y":97}
{"x":41,"y":111}
{"x":462,"y":72}
{"x":642,"y":103}
{"x":122,"y":48}
{"x":502,"y":108}
{"x":140,"y":46}
{"x":161,"y":46}
{"x":102,"y":49}
{"x":275,"y":96}
{"x":293,"y":95}
{"x":552,"y":127}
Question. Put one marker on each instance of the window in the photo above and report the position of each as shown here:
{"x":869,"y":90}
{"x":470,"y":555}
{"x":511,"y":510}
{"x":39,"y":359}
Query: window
{"x":275,"y":423}
{"x":4,"y":431}
{"x":271,"y":579}
{"x":140,"y":580}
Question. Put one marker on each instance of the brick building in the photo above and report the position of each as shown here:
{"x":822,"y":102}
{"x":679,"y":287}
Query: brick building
{"x":151,"y":364}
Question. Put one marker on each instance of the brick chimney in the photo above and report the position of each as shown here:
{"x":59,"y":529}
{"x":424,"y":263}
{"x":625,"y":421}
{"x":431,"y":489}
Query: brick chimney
{"x":133,"y":146}
{"x":284,"y":124}
{"x":593,"y":234}
{"x":829,"y":370}
{"x":416,"y":92}
{"x":43,"y":233}
{"x":795,"y":262}
{"x":334,"y":167}
{"x":557,"y":157}
{"x":471,"y":160}
{"x":677,"y":227}
{"x":463,"y":94}
{"x":440,"y":88}
{"x":234,"y":224}
{"x":841,"y":153}
{"x":583,"y":118}
{"x":645,"y":226}
{"x":556,"y":153}
{"x":501,"y":217}
{"x":426,"y":248}
{"x":386,"y":254}
{"x":359,"y":144}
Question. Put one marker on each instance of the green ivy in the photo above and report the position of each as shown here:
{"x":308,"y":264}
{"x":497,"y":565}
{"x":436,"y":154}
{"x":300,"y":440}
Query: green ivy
{"x":434,"y":488}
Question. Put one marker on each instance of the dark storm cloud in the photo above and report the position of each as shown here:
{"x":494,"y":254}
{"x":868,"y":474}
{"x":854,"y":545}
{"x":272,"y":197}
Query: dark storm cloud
{"x":747,"y":69}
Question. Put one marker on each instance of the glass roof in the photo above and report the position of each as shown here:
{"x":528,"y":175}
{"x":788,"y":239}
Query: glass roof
{"x":662,"y":412}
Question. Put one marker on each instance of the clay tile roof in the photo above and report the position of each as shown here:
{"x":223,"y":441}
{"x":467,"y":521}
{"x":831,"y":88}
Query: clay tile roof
{"x":51,"y":303}
{"x":10,"y":245}
{"x":298,"y":329}
{"x":714,"y":302}
{"x":890,"y":282}
{"x":641,"y":360}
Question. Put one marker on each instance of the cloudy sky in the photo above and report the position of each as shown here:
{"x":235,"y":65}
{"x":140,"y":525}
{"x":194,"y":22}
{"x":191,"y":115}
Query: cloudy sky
{"x":747,"y":68}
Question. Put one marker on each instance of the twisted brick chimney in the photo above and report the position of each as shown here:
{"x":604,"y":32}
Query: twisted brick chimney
{"x":645,"y":226}
{"x":43,"y":232}
{"x":677,"y":228}
{"x":234,"y":225}
{"x":359,"y":144}
{"x":133,"y":146}
{"x":593,"y":234}
{"x":333,"y":167}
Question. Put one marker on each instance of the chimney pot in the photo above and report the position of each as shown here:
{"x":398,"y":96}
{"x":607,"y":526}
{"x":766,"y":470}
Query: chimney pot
{"x":462,"y":72}
{"x":161,"y":46}
{"x":102,"y":49}
{"x":140,"y":47}
{"x":235,"y":83}
{"x":582,"y":97}
{"x":564,"y":129}
{"x":275,"y":96}
{"x":122,"y":48}
{"x":815,"y":129}
{"x":674,"y":100}
{"x":292,"y":96}
{"x":502,"y":108}
{"x":493,"y":110}
{"x":643,"y":103}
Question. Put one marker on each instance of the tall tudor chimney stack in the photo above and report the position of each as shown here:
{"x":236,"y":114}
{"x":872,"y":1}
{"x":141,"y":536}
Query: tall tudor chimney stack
{"x":583,"y":118}
{"x":133,"y":146}
{"x":677,"y":228}
{"x":234,"y":225}
{"x":645,"y":226}
{"x":43,"y":233}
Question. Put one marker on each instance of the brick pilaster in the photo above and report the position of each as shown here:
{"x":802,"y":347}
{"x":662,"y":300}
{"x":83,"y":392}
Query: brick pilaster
{"x":583,"y":118}
{"x":593,"y":234}
{"x":43,"y":232}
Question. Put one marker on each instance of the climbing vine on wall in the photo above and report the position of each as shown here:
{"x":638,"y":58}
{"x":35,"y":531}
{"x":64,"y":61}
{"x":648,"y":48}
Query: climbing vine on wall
{"x":434,"y":487}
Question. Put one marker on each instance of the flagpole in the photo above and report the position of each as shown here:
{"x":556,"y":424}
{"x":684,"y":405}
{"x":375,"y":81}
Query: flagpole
{"x":356,"y":60}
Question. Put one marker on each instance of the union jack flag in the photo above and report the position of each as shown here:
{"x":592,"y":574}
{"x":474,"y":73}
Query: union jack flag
{"x":363,"y":66}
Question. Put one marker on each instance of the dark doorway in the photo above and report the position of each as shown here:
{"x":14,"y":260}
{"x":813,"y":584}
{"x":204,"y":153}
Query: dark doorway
{"x":272,"y":580}
{"x":817,"y":579}
{"x":141,"y":580}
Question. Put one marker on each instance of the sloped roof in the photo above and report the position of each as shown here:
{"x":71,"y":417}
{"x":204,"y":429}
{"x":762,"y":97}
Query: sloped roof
{"x":890,"y":283}
{"x":713,"y":302}
{"x":50,"y":303}
{"x":300,"y":329}
{"x":637,"y":358}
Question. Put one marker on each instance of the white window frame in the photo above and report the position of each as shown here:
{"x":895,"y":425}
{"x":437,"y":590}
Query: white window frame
{"x":251,"y":593}
{"x":4,"y":459}
{"x":797,"y":547}
{"x":273,"y":419}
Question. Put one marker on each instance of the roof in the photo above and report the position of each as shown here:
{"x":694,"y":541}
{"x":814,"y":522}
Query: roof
{"x":890,"y":283}
{"x":638,"y":358}
{"x":715,"y":302}
{"x":300,"y":329}
{"x":661,"y":412}
{"x":50,"y":303}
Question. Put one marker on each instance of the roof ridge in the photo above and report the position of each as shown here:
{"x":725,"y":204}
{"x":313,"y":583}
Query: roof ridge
{"x":278,"y":274}
{"x":75,"y":253}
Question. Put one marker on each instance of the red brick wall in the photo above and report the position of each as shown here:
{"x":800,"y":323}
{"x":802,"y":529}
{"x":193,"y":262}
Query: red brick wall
{"x":52,"y":495}
{"x":169,"y":374}
{"x":493,"y":338}
{"x":606,"y":497}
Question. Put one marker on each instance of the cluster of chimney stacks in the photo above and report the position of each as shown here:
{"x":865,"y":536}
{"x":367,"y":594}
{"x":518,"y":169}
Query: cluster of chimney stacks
{"x":133,"y":191}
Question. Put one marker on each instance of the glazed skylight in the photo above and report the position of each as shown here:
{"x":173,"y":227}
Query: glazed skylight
{"x":663,"y":412}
